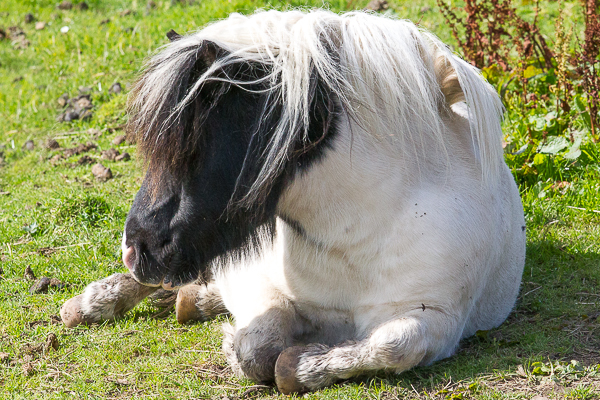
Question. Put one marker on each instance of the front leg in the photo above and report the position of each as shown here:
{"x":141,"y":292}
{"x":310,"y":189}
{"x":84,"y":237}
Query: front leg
{"x":397,"y":345}
{"x":252,"y":350}
{"x":104,"y":300}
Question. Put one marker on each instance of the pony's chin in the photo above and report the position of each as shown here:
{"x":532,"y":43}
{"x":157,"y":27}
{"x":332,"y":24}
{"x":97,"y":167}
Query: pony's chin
{"x":169,"y":285}
{"x":144,"y":280}
{"x":166,"y":283}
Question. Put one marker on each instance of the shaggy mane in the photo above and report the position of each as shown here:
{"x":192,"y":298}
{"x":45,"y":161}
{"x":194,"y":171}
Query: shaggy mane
{"x":387,"y":74}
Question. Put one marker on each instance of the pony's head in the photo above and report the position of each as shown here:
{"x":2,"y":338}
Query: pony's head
{"x":220,"y":146}
{"x":227,"y":117}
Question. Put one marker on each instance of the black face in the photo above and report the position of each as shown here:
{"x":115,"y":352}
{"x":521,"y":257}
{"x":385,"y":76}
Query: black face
{"x":179,"y":226}
{"x":182,"y":219}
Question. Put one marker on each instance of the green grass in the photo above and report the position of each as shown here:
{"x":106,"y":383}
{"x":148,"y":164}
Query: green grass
{"x":61,"y":222}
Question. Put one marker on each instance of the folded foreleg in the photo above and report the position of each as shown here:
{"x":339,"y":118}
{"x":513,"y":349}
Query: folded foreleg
{"x":252,"y":350}
{"x":104,"y":300}
{"x":395,"y":345}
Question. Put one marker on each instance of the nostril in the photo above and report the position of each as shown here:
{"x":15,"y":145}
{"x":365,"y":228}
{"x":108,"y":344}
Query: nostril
{"x":129,"y":257}
{"x":128,"y":253}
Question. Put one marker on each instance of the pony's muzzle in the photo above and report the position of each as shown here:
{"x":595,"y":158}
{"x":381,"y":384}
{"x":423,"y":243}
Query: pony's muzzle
{"x":129,"y":259}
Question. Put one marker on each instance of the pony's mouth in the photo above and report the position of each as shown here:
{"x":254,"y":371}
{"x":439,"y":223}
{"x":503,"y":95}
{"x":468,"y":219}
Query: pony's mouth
{"x":129,"y":258}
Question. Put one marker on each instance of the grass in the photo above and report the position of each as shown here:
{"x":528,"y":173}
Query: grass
{"x":58,"y":220}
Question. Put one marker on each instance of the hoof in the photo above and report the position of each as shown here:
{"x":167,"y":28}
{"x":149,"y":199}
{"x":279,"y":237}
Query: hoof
{"x":71,"y":313}
{"x":186,"y":309}
{"x":285,"y":371}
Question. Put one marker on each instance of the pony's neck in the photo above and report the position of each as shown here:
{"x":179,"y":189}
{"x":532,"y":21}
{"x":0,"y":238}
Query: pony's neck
{"x":340,"y":194}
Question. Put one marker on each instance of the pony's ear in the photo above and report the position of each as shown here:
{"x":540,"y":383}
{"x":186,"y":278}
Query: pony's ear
{"x":448,"y":81}
{"x":173,"y":36}
{"x":210,"y":52}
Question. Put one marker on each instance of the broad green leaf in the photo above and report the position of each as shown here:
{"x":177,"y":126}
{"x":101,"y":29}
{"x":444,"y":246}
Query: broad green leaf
{"x":550,"y":117}
{"x":553,"y":146}
{"x":574,"y":151}
{"x":538,"y":122}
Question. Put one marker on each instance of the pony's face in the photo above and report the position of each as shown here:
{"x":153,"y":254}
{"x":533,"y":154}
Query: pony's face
{"x":191,"y":207}
{"x":179,"y":223}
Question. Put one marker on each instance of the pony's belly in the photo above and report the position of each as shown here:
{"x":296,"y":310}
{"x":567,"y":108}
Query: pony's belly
{"x":403,"y":271}
{"x":398,"y":284}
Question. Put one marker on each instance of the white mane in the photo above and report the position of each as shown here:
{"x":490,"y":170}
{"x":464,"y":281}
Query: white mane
{"x":389,"y":75}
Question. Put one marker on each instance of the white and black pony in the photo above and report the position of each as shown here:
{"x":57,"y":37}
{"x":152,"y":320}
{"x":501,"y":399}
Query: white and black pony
{"x":339,"y":182}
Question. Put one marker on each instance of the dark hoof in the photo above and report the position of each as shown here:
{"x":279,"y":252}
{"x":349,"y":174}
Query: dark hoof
{"x":285,"y":371}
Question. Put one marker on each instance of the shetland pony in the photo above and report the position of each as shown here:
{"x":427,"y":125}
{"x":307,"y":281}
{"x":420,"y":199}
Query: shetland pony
{"x":339,"y":183}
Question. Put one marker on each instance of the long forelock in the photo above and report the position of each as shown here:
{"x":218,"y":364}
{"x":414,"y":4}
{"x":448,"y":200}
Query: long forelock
{"x":382,"y":71}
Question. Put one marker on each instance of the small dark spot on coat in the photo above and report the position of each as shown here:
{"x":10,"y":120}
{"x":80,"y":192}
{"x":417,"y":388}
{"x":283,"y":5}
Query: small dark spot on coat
{"x":523,"y":228}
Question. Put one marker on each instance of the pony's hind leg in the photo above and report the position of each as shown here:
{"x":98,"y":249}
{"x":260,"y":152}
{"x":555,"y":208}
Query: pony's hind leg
{"x":104,"y":300}
{"x":396,"y":345}
{"x":199,"y":302}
